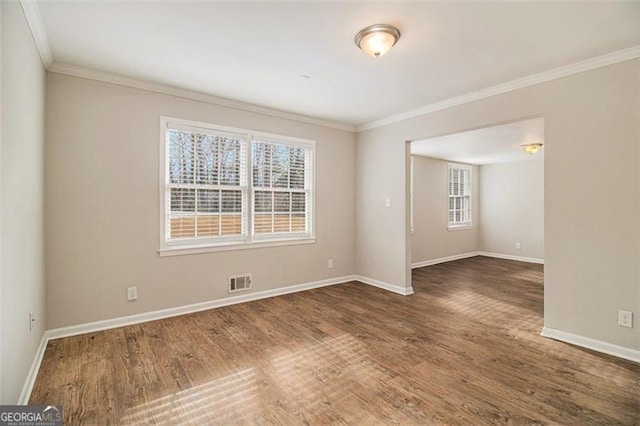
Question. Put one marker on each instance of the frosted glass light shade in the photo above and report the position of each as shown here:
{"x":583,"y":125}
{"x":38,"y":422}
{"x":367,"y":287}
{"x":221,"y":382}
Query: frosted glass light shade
{"x":531,"y":148}
{"x":377,"y":40}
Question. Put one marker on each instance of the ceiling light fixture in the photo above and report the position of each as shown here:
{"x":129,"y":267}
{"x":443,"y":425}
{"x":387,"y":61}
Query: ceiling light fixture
{"x":378,"y":39}
{"x":531,"y":148}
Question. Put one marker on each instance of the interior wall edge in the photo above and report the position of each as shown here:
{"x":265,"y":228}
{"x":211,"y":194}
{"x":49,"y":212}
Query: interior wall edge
{"x":431,"y":262}
{"x":79,"y":329}
{"x":91,"y":327}
{"x":403,"y":291}
{"x":510,"y":257}
{"x":30,"y":381}
{"x":593,"y":344}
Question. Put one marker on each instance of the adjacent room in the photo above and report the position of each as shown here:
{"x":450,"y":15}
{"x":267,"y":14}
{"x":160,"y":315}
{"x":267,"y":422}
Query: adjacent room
{"x":479,"y":192}
{"x":320,"y":212}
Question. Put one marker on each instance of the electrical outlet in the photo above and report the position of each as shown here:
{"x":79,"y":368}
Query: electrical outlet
{"x":132,"y":293}
{"x":625,"y":318}
{"x":518,"y":246}
{"x":32,"y":320}
{"x":387,"y":202}
{"x":330,"y":264}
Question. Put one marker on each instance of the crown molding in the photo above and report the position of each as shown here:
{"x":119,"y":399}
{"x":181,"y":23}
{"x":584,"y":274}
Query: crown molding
{"x":565,"y":71}
{"x":34,"y":20}
{"x":91,"y":74}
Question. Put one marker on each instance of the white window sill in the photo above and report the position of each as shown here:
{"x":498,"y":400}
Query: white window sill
{"x":459,"y":227}
{"x":232,"y":245}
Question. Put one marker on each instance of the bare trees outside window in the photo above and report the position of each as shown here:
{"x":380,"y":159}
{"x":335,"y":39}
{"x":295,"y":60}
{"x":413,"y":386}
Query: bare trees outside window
{"x":223,"y":186}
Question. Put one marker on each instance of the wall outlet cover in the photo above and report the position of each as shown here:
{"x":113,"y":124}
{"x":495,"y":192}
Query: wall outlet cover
{"x":132,"y":293}
{"x":625,"y":318}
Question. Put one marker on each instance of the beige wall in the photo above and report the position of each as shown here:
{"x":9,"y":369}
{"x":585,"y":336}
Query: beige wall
{"x":382,"y":253}
{"x":102,"y":224}
{"x":592,"y":190}
{"x":512,"y":208}
{"x":508,"y":207}
{"x":21,"y":237}
{"x":431,"y":239}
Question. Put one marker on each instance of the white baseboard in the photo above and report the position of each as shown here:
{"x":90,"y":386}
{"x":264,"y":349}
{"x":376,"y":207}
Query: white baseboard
{"x":33,"y":371}
{"x":596,"y":345}
{"x":510,"y":257}
{"x":443,"y":259}
{"x":385,"y":286}
{"x":91,"y":327}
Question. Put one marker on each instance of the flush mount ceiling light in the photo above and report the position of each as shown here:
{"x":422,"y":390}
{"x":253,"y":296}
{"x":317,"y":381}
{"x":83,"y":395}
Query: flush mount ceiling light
{"x":378,"y":39}
{"x":531,"y":148}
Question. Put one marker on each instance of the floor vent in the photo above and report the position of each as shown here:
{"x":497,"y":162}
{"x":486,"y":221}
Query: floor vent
{"x":239,"y":283}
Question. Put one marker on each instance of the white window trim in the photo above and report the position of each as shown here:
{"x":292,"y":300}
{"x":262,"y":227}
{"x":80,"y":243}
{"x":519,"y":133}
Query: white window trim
{"x":233,"y":242}
{"x":412,"y":194}
{"x":467,"y":225}
{"x":460,"y":227}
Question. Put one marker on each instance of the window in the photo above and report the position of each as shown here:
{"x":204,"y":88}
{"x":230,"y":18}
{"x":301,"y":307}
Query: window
{"x":459,"y":196}
{"x":230,"y":188}
{"x":280,"y":192}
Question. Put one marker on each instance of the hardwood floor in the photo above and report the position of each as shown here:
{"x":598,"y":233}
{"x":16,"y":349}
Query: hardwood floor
{"x":465,"y":349}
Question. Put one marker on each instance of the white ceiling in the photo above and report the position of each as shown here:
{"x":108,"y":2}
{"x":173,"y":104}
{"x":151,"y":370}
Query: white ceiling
{"x":259,"y":52}
{"x":498,"y":144}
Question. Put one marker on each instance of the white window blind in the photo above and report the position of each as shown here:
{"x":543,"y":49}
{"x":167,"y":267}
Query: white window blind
{"x":207,"y":186}
{"x":223,"y":186}
{"x":459,"y":195}
{"x":281,"y":188}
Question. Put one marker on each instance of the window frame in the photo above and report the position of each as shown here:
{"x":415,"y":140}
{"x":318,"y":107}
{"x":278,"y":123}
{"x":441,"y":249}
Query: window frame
{"x":455,"y":226}
{"x":288,"y":141}
{"x":248,"y":240}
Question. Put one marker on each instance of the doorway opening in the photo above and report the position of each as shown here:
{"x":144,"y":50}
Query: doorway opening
{"x":478,"y":195}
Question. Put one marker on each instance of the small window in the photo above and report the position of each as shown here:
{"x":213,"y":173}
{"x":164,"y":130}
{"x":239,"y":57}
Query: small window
{"x":459,"y":196}
{"x":226,"y":187}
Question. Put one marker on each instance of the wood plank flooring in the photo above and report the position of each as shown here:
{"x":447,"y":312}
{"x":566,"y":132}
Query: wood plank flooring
{"x":465,"y":349}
